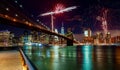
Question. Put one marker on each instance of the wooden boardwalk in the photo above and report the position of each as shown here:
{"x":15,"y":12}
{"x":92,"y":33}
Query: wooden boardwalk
{"x":10,"y":60}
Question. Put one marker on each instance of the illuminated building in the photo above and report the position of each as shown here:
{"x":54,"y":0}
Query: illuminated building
{"x":63,"y":33}
{"x":108,"y":38}
{"x":62,"y":29}
{"x":35,"y":37}
{"x":96,"y":40}
{"x":4,"y":38}
{"x":26,"y":39}
{"x":87,"y":33}
{"x":88,"y":36}
{"x":100,"y":37}
{"x":11,"y":37}
{"x":115,"y":39}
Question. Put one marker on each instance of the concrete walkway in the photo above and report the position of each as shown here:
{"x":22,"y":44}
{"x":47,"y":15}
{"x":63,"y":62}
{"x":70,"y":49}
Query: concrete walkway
{"x":10,"y":60}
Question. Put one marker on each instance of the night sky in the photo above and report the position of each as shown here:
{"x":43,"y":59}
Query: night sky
{"x":79,"y":19}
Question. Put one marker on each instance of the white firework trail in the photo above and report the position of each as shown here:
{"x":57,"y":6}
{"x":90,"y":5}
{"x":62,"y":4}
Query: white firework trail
{"x":60,"y":11}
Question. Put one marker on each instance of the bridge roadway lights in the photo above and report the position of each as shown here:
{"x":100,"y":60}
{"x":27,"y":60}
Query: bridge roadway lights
{"x":22,"y":24}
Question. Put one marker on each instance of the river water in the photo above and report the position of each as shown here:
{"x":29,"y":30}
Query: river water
{"x":74,"y":57}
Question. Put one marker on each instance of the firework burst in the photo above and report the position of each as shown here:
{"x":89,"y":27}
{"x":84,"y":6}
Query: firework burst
{"x":59,"y":9}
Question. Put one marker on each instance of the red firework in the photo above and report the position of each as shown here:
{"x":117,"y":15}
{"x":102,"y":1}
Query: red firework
{"x":59,"y":7}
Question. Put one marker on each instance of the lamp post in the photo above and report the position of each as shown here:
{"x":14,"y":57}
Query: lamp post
{"x":52,"y":21}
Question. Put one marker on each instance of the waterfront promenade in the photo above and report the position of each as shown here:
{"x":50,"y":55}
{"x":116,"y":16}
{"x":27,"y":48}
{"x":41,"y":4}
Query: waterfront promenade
{"x":10,"y":60}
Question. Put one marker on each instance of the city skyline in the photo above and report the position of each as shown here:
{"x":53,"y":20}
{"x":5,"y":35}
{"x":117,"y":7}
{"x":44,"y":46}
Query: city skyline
{"x":83,"y":17}
{"x":59,"y":34}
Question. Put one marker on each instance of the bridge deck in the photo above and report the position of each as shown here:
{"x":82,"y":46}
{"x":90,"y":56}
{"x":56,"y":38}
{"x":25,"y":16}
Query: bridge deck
{"x":10,"y":60}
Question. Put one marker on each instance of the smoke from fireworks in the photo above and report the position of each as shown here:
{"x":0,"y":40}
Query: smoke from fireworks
{"x":104,"y":21}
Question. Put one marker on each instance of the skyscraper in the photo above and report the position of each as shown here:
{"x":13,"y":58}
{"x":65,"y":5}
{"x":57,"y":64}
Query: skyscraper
{"x":62,"y":29}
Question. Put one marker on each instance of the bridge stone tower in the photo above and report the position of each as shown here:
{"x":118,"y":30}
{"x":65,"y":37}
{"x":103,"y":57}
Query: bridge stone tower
{"x":69,"y":34}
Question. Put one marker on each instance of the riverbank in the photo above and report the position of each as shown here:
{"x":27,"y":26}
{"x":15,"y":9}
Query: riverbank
{"x":10,"y":60}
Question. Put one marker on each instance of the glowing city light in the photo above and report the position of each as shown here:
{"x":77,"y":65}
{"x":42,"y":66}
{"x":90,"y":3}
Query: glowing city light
{"x":16,"y":15}
{"x":21,"y":6}
{"x":87,"y":57}
{"x":6,"y":16}
{"x":37,"y":20}
{"x":14,"y":20}
{"x":86,"y":33}
{"x":16,"y":1}
{"x":7,"y":9}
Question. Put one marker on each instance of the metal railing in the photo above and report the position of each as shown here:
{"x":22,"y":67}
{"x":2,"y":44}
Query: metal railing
{"x":25,"y":62}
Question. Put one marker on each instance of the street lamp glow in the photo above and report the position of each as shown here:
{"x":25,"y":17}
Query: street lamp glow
{"x":21,"y":6}
{"x":16,"y":1}
{"x":7,"y":9}
{"x":16,"y":15}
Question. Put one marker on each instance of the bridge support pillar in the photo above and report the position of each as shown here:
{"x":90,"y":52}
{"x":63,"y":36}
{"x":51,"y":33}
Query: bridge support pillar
{"x":69,"y":43}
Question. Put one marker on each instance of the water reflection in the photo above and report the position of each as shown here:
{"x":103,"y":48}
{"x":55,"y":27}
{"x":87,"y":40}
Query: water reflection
{"x":117,"y":57}
{"x":74,"y":57}
{"x":87,"y":57}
